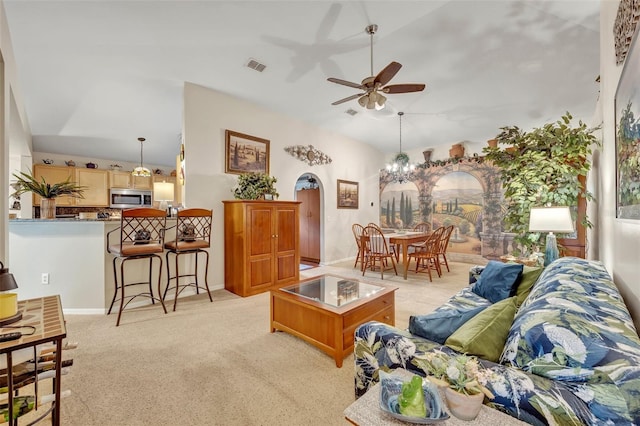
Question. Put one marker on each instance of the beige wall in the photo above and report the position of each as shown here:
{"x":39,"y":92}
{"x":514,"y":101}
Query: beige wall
{"x":207,"y":113}
{"x":618,"y":239}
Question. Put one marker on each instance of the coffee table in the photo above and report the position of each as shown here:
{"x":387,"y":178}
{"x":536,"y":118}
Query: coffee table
{"x":325,"y":311}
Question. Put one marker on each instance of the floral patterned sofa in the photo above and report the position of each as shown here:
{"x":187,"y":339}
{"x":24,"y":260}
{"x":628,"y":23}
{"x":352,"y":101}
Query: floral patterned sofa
{"x":572,"y":353}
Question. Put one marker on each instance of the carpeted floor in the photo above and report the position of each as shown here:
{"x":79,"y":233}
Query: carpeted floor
{"x":217,"y":363}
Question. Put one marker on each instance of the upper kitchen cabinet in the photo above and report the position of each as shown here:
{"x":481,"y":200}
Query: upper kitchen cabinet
{"x":126,"y":180}
{"x":96,"y":183}
{"x":52,"y":175}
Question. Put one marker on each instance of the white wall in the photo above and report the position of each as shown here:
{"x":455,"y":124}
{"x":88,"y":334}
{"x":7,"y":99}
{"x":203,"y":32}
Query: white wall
{"x":619,"y":240}
{"x":207,"y":113}
{"x":12,"y":119}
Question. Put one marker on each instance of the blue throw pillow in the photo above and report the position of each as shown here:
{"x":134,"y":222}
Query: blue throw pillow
{"x":440,"y":324}
{"x":497,"y":280}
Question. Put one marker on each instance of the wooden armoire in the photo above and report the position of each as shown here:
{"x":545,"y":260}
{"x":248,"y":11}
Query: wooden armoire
{"x":309,"y":224}
{"x":261,"y":245}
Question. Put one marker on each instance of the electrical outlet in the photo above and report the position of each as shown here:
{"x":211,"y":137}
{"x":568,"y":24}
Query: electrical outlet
{"x":45,"y":278}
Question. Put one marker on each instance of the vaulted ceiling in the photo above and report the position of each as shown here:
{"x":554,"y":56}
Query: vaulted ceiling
{"x":96,"y":75}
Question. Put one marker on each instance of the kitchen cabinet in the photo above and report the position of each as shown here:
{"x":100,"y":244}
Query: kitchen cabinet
{"x":120,"y":179}
{"x":52,"y":175}
{"x":96,"y":183}
{"x":309,"y":224}
{"x":261,"y":240}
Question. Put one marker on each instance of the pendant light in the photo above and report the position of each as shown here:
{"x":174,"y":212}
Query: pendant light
{"x":400,"y":169}
{"x":141,"y":171}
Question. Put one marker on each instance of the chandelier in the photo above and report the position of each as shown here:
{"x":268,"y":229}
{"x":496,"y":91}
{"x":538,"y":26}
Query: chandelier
{"x":400,"y":169}
{"x":141,"y":171}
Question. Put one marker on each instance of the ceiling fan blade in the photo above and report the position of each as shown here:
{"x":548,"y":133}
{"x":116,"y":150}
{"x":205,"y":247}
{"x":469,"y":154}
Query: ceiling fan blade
{"x":403,"y":88}
{"x":347,"y":99}
{"x":345,"y":83}
{"x":387,"y":73}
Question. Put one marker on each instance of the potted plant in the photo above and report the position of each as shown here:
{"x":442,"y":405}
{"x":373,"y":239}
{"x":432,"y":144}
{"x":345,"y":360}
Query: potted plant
{"x":255,"y":186}
{"x":48,"y":192}
{"x":541,"y":167}
{"x":463,"y":378}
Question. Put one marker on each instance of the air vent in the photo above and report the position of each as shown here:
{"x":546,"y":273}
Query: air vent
{"x":255,"y":65}
{"x":351,"y":111}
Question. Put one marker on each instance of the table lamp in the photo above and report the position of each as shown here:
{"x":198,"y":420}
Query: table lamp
{"x":8,"y":301}
{"x":551,"y":219}
{"x":163,"y":192}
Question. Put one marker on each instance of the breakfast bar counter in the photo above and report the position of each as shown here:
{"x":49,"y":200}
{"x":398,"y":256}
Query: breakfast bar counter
{"x":67,"y":256}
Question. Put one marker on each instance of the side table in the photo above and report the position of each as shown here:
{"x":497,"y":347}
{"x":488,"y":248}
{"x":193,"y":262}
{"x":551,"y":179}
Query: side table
{"x":366,"y":411}
{"x":45,"y":315}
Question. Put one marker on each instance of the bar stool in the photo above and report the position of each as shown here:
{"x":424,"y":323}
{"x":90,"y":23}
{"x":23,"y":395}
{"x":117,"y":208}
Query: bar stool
{"x":141,"y":237}
{"x":193,"y":236}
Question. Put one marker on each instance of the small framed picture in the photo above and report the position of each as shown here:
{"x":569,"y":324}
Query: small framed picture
{"x":347,"y":194}
{"x":245,"y":153}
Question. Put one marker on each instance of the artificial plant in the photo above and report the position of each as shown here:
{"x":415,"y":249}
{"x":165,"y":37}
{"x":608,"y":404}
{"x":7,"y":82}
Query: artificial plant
{"x":253,"y":186}
{"x":28,"y":183}
{"x":539,"y":168}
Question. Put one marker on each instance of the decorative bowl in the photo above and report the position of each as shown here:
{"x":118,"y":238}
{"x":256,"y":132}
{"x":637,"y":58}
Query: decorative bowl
{"x":391,"y":388}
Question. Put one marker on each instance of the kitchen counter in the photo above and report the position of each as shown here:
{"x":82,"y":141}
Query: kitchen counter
{"x":73,"y":254}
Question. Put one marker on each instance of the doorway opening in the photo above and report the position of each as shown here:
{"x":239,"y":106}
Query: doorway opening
{"x":309,"y":193}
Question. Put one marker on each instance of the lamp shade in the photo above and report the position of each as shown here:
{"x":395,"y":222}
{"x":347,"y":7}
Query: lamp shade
{"x":7,"y":282}
{"x":163,"y":191}
{"x":551,"y":219}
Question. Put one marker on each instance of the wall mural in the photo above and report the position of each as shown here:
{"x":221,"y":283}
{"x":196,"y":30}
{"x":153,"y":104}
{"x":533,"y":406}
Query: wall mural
{"x":466,"y":193}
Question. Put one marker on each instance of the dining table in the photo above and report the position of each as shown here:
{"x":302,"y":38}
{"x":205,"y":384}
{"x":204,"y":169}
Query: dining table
{"x":403,"y":239}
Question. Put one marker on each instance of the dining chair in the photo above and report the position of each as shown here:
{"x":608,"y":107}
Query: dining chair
{"x":358,"y":230}
{"x":421,"y":227}
{"x":443,"y":246}
{"x":192,"y":237}
{"x":427,"y":257}
{"x":376,"y":250}
{"x":141,"y":234}
{"x":393,"y":248}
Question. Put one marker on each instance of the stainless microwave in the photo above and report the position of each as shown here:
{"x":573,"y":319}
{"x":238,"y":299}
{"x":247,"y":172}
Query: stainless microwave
{"x":126,"y":198}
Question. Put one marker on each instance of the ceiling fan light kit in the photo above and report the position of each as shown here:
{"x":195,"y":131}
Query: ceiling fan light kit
{"x":375,"y":86}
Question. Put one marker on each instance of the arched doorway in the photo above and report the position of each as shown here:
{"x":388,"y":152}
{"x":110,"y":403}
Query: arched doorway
{"x":308,"y":192}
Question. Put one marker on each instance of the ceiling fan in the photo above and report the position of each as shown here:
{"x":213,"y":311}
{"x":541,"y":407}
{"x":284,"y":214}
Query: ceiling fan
{"x":374,"y":86}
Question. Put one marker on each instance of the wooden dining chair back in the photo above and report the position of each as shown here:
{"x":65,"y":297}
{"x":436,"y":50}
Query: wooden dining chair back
{"x":422,"y":227}
{"x":358,"y":230}
{"x":192,"y":237}
{"x":377,"y":253}
{"x":443,"y":246}
{"x":427,"y":256}
{"x":141,"y":236}
{"x":393,"y":248}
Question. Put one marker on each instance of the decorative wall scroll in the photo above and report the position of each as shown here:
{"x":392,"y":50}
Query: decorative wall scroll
{"x":308,"y":154}
{"x":624,"y":27}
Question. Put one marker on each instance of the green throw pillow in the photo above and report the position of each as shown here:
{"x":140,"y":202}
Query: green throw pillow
{"x":485,"y":334}
{"x":530,"y":275}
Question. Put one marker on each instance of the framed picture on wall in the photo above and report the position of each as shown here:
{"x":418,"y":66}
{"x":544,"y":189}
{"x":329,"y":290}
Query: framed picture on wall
{"x":245,"y":153}
{"x":347,"y":194}
{"x":627,"y":111}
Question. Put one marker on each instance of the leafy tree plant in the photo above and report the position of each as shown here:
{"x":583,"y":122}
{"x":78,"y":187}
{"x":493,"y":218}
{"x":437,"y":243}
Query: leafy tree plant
{"x":539,"y":168}
{"x":253,"y":186}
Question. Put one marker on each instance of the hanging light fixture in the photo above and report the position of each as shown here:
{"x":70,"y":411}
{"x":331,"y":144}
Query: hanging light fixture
{"x":400,"y":169}
{"x":141,"y":171}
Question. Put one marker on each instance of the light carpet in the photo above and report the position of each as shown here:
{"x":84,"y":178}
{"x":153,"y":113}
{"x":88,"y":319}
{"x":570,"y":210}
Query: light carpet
{"x":217,"y":363}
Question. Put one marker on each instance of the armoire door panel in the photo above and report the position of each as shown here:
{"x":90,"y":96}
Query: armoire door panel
{"x":287,"y":266}
{"x":286,"y":229}
{"x":261,"y":271}
{"x":260,"y":231}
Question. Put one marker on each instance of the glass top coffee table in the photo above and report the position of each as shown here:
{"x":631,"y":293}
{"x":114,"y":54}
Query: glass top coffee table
{"x":326,"y":310}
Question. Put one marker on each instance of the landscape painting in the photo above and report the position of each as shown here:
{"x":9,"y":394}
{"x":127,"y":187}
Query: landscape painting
{"x":245,"y":153}
{"x":399,"y":206}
